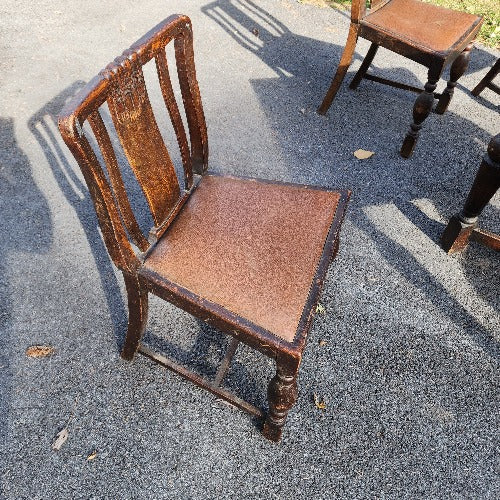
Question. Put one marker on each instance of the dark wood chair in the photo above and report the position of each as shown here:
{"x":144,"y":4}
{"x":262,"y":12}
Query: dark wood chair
{"x":247,"y":256}
{"x":487,"y":81}
{"x":463,"y":227}
{"x":429,"y":35}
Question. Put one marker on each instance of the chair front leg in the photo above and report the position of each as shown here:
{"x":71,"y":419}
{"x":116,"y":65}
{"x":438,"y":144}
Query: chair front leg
{"x":282,"y":394}
{"x":137,"y":315}
{"x":345,"y":62}
{"x":458,"y":68}
{"x":421,"y":110}
{"x":460,"y":227}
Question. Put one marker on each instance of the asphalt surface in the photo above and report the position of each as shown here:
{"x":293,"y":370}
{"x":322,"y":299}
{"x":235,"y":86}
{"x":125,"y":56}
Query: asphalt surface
{"x":409,"y":366}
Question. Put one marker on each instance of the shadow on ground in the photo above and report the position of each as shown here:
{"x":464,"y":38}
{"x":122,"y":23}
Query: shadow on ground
{"x":27,"y":228}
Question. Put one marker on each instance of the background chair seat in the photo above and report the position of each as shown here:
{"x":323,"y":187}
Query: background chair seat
{"x":250,"y":246}
{"x":429,"y":26}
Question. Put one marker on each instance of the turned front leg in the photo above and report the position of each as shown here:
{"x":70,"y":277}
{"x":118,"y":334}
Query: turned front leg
{"x":458,"y":68}
{"x":458,"y":231}
{"x":421,"y":110}
{"x":282,"y":395}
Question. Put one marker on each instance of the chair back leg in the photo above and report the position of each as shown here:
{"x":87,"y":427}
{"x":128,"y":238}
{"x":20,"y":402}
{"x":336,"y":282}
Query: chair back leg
{"x":137,"y":315}
{"x":345,"y":62}
{"x":458,"y":68}
{"x":364,"y":66}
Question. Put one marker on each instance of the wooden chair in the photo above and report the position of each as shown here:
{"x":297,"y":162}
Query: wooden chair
{"x":429,"y":35}
{"x":247,"y":256}
{"x":463,"y":227}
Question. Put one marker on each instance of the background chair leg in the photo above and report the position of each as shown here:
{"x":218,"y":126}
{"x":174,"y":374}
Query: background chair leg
{"x":458,"y":231}
{"x":137,"y":315}
{"x":282,"y":395}
{"x":421,"y":110}
{"x":364,"y":66}
{"x":345,"y":62}
{"x":486,"y":81}
{"x":458,"y":68}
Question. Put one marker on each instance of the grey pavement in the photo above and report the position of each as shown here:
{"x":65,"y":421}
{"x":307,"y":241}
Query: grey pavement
{"x":409,"y":370}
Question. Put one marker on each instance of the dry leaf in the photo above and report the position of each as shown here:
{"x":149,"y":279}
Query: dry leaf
{"x":39,"y":351}
{"x":320,"y":404}
{"x":320,"y":309}
{"x":92,"y":455}
{"x":322,"y":342}
{"x":60,"y":440}
{"x":362,"y":154}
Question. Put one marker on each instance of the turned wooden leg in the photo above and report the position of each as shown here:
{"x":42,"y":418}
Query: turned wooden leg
{"x":345,"y":62}
{"x":487,"y":80}
{"x":364,"y":66}
{"x":458,"y":231}
{"x":137,"y":315}
{"x":282,"y":394}
{"x":421,"y":110}
{"x":458,"y":68}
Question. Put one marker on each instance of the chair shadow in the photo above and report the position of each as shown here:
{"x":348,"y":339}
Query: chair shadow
{"x":205,"y":355}
{"x":26,"y":227}
{"x":383,"y":125}
{"x":43,"y":126}
{"x":259,"y":32}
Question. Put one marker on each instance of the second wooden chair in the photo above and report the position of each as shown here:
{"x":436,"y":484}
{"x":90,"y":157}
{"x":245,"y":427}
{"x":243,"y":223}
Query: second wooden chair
{"x":432,"y":36}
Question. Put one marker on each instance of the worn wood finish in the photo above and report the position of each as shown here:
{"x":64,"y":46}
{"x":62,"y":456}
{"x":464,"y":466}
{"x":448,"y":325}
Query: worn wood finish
{"x":429,"y":35}
{"x":122,"y":88}
{"x":487,"y":81}
{"x":463,"y":227}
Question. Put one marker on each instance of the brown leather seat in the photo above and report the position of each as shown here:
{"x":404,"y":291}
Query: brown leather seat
{"x":250,"y":246}
{"x":247,"y":256}
{"x":427,"y":34}
{"x":431,"y":27}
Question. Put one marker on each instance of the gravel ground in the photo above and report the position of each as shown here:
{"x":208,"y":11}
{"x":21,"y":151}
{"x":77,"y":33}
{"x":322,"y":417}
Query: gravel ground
{"x":409,"y":366}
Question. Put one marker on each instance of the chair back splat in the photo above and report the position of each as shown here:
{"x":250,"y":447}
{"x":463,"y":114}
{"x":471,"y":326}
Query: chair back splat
{"x":247,"y":256}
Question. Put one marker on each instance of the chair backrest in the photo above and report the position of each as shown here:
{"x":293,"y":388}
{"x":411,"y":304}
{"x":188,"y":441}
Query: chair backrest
{"x":121,"y":85}
{"x":358,"y":8}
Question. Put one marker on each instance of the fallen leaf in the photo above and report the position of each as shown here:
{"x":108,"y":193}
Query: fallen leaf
{"x":362,"y":154}
{"x":39,"y":351}
{"x":60,"y":440}
{"x":322,"y":343}
{"x":320,"y":404}
{"x":320,"y":309}
{"x":92,"y":455}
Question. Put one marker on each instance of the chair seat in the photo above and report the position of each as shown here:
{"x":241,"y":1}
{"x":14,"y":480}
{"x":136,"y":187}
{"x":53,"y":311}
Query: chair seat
{"x":250,"y":246}
{"x":432,"y":28}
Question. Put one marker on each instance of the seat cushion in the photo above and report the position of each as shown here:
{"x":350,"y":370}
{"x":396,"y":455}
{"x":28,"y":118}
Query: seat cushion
{"x":431,"y":27}
{"x":250,"y":246}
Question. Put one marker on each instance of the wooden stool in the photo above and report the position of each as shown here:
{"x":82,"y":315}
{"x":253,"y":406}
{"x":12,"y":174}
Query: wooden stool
{"x":463,"y":227}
